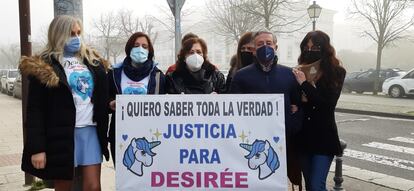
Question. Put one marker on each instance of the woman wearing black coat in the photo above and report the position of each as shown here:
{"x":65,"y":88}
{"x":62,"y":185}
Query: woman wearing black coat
{"x":321,"y":77}
{"x":67,"y":121}
{"x":194,"y":73}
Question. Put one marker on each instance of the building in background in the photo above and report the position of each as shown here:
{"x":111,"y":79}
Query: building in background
{"x":221,"y":49}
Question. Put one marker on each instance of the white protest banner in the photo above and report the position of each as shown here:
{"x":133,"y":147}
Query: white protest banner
{"x":200,"y":142}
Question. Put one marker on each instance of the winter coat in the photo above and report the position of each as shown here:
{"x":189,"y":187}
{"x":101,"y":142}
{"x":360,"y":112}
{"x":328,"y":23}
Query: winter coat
{"x":182,"y":81}
{"x":51,"y":115}
{"x":319,"y":134}
{"x":114,"y":79}
{"x":279,"y":80}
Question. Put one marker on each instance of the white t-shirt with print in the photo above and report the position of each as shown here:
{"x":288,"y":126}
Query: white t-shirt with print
{"x":129,"y":86}
{"x":80,"y":81}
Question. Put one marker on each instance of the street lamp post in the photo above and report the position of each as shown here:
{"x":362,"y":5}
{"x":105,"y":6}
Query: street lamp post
{"x":314,"y":11}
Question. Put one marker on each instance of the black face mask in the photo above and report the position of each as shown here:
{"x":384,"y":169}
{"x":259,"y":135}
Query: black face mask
{"x":312,"y":56}
{"x":246,"y":58}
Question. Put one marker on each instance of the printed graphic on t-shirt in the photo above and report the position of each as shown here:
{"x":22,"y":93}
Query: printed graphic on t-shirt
{"x":81,"y":83}
{"x":129,"y":86}
{"x":135,"y":88}
{"x":79,"y":78}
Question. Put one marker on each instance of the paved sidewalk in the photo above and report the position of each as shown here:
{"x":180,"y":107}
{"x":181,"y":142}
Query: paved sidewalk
{"x":376,"y":105}
{"x":12,"y":178}
{"x":11,"y":147}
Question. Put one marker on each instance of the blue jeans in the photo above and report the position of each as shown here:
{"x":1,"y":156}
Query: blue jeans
{"x":315,"y":170}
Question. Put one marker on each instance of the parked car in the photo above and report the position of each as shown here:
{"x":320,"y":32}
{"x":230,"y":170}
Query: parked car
{"x":364,"y":81}
{"x":400,"y":85}
{"x":8,"y":80}
{"x":2,"y":73}
{"x":17,"y":87}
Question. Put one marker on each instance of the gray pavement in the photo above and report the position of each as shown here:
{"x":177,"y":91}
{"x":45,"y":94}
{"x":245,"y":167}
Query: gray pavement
{"x":11,"y":147}
{"x":11,"y":143}
{"x":376,"y":105}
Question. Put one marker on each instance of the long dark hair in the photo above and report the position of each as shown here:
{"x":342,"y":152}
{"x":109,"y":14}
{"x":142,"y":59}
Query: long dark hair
{"x":131,"y":42}
{"x":186,"y":48}
{"x":236,"y":60}
{"x":246,"y":38}
{"x":333,"y":73}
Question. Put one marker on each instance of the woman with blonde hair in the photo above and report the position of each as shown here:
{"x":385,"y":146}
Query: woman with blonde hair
{"x":67,"y":102}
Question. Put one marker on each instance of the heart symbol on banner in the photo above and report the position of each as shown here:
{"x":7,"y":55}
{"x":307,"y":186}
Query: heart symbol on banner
{"x":125,"y":137}
{"x":276,"y":139}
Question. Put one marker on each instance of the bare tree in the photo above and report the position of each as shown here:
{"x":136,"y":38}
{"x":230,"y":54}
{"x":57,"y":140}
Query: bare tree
{"x":107,"y":26}
{"x":388,"y":21}
{"x":11,"y":54}
{"x":117,"y":47}
{"x":128,"y":25}
{"x":276,"y":15}
{"x":167,"y":20}
{"x":229,"y":20}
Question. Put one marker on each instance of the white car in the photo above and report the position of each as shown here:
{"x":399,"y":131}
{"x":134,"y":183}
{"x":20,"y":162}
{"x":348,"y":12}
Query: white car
{"x":7,"y":81}
{"x":400,"y":85}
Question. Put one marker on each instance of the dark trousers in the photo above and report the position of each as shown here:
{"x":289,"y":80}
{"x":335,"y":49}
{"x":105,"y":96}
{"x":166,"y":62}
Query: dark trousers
{"x":315,"y":170}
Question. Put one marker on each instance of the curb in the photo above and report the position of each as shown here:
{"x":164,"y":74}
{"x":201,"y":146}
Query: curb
{"x":375,"y":113}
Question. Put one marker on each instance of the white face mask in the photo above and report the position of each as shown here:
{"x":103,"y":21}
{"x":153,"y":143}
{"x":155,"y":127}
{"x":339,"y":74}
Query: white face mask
{"x":194,"y":62}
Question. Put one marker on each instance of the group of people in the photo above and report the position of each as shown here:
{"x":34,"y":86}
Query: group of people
{"x":72,"y":90}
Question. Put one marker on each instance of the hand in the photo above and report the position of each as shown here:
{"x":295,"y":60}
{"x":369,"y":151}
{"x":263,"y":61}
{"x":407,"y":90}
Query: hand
{"x":299,"y":75}
{"x":112,"y":104}
{"x":39,"y":160}
{"x":294,"y":108}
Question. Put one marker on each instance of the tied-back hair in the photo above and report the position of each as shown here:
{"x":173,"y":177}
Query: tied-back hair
{"x":131,"y":43}
{"x":333,"y":73}
{"x":186,"y":48}
{"x":188,"y":36}
{"x":59,"y":32}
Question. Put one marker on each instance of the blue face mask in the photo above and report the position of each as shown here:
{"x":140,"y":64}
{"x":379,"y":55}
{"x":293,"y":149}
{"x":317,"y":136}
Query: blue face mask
{"x":139,"y":55}
{"x":72,"y":46}
{"x":265,"y":54}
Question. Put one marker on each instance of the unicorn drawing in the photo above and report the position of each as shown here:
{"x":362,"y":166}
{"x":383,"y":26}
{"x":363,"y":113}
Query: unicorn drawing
{"x":261,"y":156}
{"x":139,"y":154}
{"x":82,"y":84}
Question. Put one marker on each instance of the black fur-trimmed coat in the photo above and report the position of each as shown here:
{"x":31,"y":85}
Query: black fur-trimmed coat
{"x":51,"y":115}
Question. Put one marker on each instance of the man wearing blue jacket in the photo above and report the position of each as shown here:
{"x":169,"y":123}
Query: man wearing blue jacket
{"x":266,"y":77}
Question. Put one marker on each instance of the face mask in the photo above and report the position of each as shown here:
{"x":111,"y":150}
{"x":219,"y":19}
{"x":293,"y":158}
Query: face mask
{"x":139,"y":55}
{"x":312,"y":56}
{"x":194,"y":62}
{"x":265,"y":54}
{"x":246,"y":58}
{"x":73,"y":45}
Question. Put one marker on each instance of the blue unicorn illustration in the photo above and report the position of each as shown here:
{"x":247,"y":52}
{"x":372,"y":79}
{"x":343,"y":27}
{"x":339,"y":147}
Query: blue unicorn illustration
{"x":261,"y":156}
{"x":139,"y":154}
{"x":82,"y":84}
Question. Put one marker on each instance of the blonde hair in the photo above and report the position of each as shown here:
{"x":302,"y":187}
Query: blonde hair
{"x":59,"y":32}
